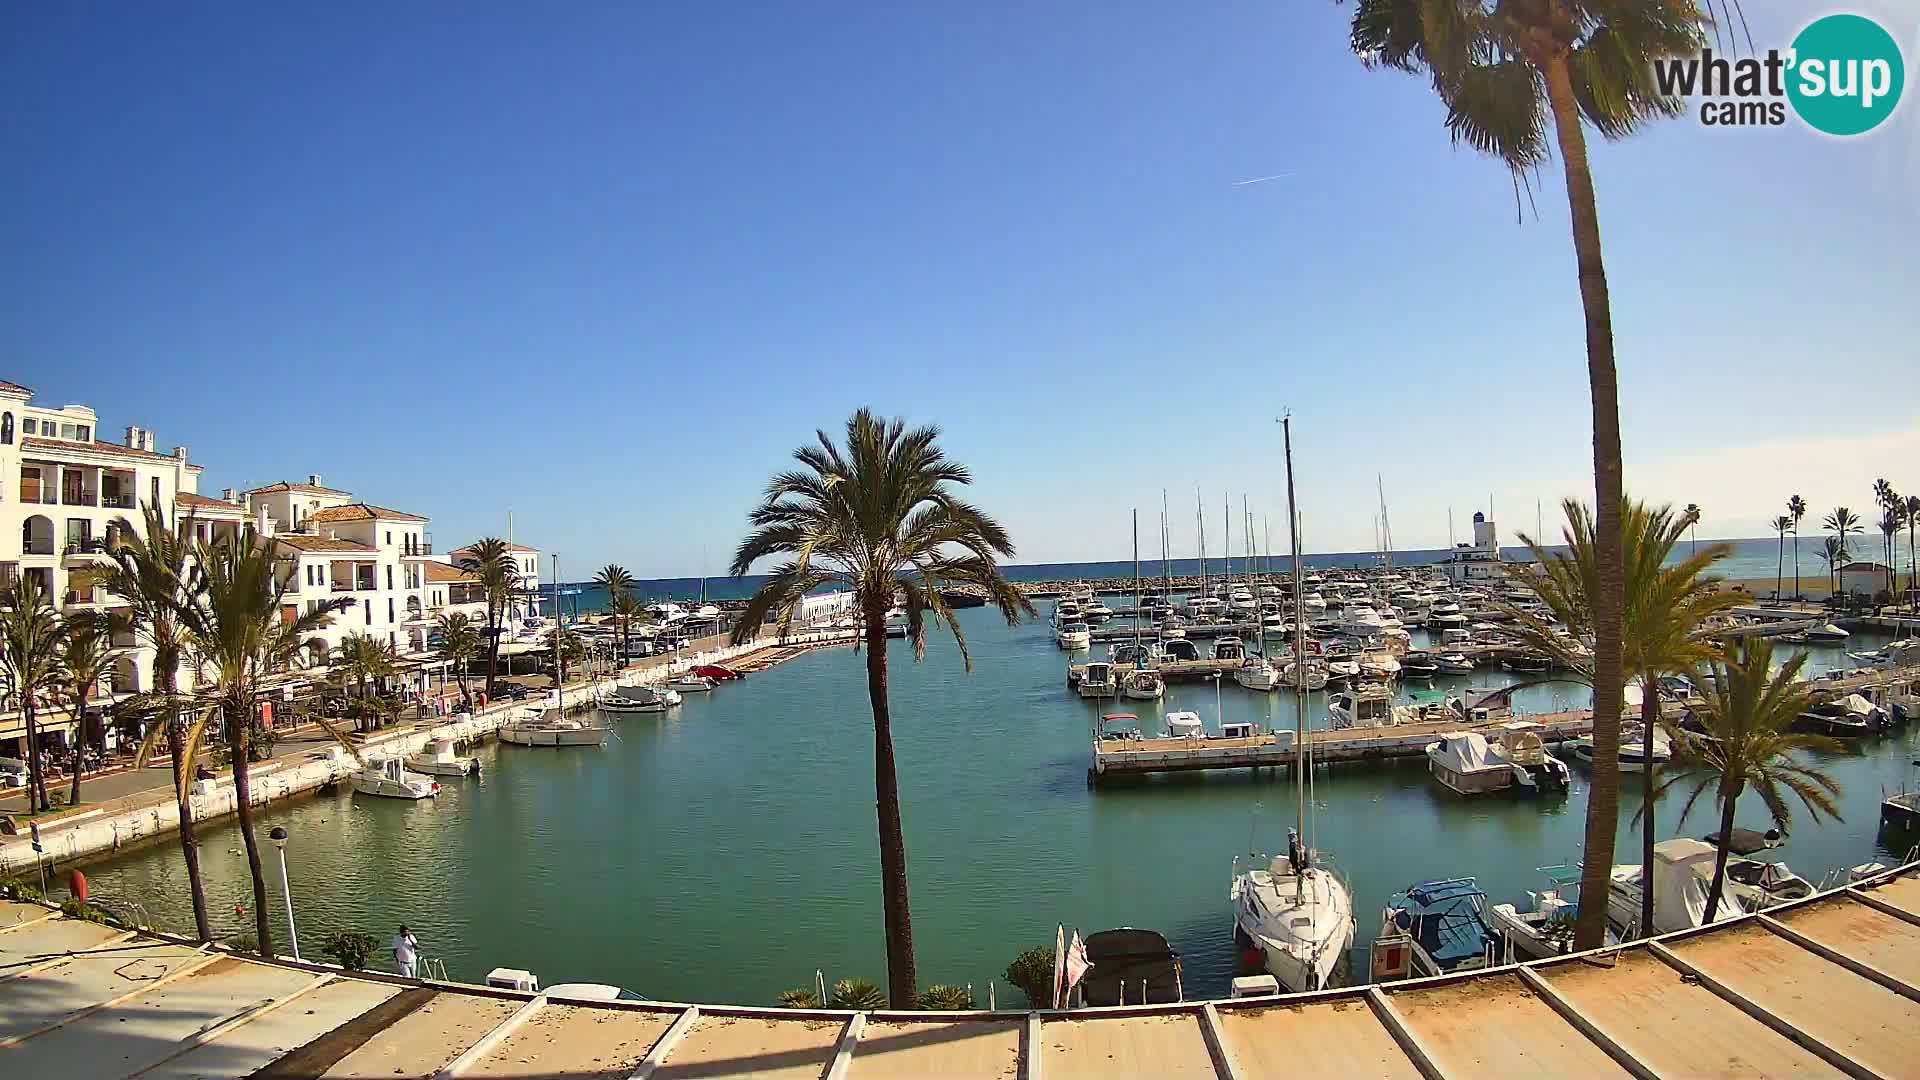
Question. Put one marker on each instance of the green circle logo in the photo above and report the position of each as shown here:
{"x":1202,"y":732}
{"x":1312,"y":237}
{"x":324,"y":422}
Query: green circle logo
{"x":1846,"y":74}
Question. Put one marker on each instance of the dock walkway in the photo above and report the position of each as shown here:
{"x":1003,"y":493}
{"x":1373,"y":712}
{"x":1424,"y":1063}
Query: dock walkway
{"x":1827,"y":986}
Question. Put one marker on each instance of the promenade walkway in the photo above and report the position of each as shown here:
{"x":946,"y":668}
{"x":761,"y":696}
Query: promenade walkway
{"x":1828,"y":986}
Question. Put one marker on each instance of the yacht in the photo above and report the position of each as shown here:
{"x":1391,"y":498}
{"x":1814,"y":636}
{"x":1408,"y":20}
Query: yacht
{"x":1362,"y":621}
{"x":1531,"y":663}
{"x":1468,"y":763}
{"x":1683,"y":878}
{"x":1143,"y":684}
{"x":1419,"y":665}
{"x":1256,"y":673}
{"x":1185,"y":725}
{"x":533,"y":726}
{"x":1367,"y":705}
{"x":1453,"y":663}
{"x":1074,"y":636}
{"x":688,"y":682}
{"x":438,"y":758}
{"x":1313,"y":604}
{"x":1827,"y":635}
{"x":1229,"y":648}
{"x":1066,"y":610}
{"x":1292,"y":917}
{"x":1099,"y":680}
{"x":1633,"y":748}
{"x":1313,"y":674}
{"x":1436,"y":928}
{"x":390,"y":779}
{"x":1852,"y":717}
{"x":1096,"y":612}
{"x":640,"y":699}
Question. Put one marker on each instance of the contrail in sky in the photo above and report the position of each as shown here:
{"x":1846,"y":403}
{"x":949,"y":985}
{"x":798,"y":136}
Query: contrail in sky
{"x":1262,"y":179}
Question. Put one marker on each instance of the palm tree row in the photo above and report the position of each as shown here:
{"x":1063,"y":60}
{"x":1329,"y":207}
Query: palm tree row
{"x":494,"y":569}
{"x":620,"y":601}
{"x":48,"y":662}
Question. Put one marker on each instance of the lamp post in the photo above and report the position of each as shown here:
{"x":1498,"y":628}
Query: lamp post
{"x":279,"y":838}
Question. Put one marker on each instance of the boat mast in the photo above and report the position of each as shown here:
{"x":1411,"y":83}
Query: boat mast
{"x":1137,"y":659}
{"x":1200,"y":519}
{"x":1299,"y":644}
{"x":1386,"y":530}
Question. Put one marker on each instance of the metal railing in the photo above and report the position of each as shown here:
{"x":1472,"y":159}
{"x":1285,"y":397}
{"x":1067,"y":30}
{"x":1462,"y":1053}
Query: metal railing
{"x":117,"y":502}
{"x":79,"y":497}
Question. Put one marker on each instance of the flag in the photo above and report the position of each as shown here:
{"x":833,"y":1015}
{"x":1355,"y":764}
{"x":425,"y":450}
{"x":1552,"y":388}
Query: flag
{"x":1077,"y":963}
{"x":1059,"y":961}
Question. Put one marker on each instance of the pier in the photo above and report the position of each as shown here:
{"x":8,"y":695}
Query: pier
{"x":1829,"y":985}
{"x":1143,"y":757}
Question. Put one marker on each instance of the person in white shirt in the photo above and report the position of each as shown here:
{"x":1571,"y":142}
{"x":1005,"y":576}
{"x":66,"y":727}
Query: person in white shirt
{"x":406,"y":951}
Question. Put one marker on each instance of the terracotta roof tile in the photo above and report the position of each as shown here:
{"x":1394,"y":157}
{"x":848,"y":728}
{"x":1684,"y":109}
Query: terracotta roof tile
{"x":15,"y":388}
{"x":510,"y":547}
{"x":310,"y":489}
{"x":34,"y":442}
{"x":322,"y":543}
{"x":201,"y":502}
{"x":361,"y":512}
{"x":439,"y":571}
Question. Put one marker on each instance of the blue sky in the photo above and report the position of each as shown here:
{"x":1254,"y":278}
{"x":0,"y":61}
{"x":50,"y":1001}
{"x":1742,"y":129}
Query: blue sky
{"x":605,"y":265}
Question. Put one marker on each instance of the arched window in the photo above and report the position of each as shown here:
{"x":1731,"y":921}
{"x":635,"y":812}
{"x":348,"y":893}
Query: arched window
{"x":6,"y":429}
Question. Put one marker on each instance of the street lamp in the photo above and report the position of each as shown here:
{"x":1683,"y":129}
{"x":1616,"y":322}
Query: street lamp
{"x":279,"y":838}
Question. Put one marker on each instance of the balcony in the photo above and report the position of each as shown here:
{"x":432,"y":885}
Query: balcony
{"x":88,"y":549}
{"x":343,"y":586}
{"x":74,"y":496}
{"x":117,"y":502}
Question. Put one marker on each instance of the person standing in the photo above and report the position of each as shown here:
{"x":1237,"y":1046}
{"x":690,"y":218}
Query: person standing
{"x":406,"y":951}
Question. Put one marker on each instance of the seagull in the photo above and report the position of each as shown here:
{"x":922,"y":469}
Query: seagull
{"x":1262,"y":179}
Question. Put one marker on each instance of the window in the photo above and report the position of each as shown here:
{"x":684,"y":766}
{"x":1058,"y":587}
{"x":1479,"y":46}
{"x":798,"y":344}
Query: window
{"x":156,"y":492}
{"x":28,"y":425}
{"x":83,"y":433}
{"x":389,"y":537}
{"x":66,"y":431}
{"x":6,"y":428}
{"x":389,"y":577}
{"x":390,"y":609}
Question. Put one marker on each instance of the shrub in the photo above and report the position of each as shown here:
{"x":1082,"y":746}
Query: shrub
{"x":244,"y":943}
{"x":946,"y":998}
{"x":350,"y":949}
{"x":800,"y":997}
{"x":857,"y":994}
{"x":23,"y":890}
{"x":1032,"y":972}
{"x":83,"y":911}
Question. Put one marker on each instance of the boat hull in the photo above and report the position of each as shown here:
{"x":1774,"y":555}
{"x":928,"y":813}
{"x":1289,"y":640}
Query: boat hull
{"x":551,"y":737}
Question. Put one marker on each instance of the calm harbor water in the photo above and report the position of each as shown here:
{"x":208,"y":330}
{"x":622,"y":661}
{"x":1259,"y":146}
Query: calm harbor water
{"x":727,"y":850}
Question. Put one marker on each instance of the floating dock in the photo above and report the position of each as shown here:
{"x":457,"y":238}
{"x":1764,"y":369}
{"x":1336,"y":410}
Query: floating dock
{"x":1275,"y":750}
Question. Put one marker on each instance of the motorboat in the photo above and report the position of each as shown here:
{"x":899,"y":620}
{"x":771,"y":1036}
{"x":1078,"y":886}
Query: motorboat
{"x":1530,"y":663}
{"x":1099,"y":680}
{"x":1468,"y":763}
{"x":1143,"y":684}
{"x":1096,"y":612}
{"x":1274,"y":624}
{"x":1185,"y":725}
{"x":438,"y":758}
{"x":1313,"y":604}
{"x":1545,"y":928}
{"x":1826,"y":634}
{"x":1366,"y":705}
{"x":1419,"y":665}
{"x":1435,"y":928}
{"x":1179,"y":649}
{"x":1256,"y":673}
{"x":1362,"y":621}
{"x":1683,"y":879}
{"x":1851,"y":717}
{"x":390,"y":779}
{"x":1137,"y":654}
{"x":688,"y":682}
{"x":1378,"y":666}
{"x":550,"y":727}
{"x":1129,"y":966}
{"x":639,"y":699}
{"x":1311,"y":676}
{"x":1074,"y":636}
{"x":1229,"y":648}
{"x":1453,"y":663}
{"x":1293,"y":917}
{"x":1634,"y":756}
{"x":1173,"y":629}
{"x":1066,"y":610}
{"x":1118,"y":728}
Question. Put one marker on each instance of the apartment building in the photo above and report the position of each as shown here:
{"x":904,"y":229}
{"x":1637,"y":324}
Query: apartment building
{"x":451,"y":588}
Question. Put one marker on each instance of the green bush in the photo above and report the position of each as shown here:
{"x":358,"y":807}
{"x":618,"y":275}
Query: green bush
{"x":946,"y":998}
{"x":1032,"y":972}
{"x":244,"y":943}
{"x":350,"y":949}
{"x":83,"y":911}
{"x":800,"y":997}
{"x":22,"y":889}
{"x":860,"y":994}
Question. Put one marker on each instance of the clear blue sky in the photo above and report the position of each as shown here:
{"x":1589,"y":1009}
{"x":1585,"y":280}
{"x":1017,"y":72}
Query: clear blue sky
{"x":605,"y":264}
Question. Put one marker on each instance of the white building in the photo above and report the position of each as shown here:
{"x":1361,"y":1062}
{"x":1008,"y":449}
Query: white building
{"x":1478,"y":562}
{"x":454,"y":589}
{"x":64,"y":494}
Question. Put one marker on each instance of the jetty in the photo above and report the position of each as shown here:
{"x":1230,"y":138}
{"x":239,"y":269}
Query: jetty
{"x":1114,"y":758}
{"x":1826,"y":986}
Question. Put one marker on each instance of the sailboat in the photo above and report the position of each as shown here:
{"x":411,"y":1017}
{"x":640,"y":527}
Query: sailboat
{"x":1293,"y":916}
{"x":1255,"y":672}
{"x":1142,"y":683}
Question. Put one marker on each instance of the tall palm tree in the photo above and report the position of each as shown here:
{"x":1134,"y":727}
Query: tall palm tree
{"x":1749,"y":743}
{"x":1693,"y":524}
{"x":149,"y":575}
{"x":237,"y":633}
{"x":1911,"y":507}
{"x":1780,"y":525}
{"x":87,"y":654}
{"x":1835,"y":556}
{"x":1796,"y":509}
{"x":629,"y":612}
{"x":1890,"y":523}
{"x":459,"y":644}
{"x":878,"y":515}
{"x":1668,"y":608}
{"x":618,"y":583}
{"x":32,"y":640}
{"x":1842,"y":523}
{"x":494,"y":569}
{"x":567,"y":648}
{"x":363,"y":659}
{"x":1503,"y":71}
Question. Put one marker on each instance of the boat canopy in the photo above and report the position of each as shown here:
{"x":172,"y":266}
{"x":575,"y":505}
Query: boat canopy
{"x":1131,"y":967}
{"x":1465,"y":752}
{"x":1445,"y":918}
{"x":1682,"y":877}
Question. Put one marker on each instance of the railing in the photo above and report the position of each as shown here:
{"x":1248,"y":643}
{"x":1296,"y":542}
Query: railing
{"x":117,"y":502}
{"x":424,"y":547}
{"x":89,"y":546}
{"x":78,"y":497}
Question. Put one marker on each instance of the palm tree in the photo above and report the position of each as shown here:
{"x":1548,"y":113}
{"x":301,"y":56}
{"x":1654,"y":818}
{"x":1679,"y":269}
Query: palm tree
{"x":32,"y":640}
{"x":618,"y":583}
{"x":878,"y":515}
{"x":1911,"y":507}
{"x":492,"y":565}
{"x":1693,"y":524}
{"x":237,"y":634}
{"x":1502,"y":70}
{"x":1796,"y":509}
{"x":1890,"y":523}
{"x":1749,"y":743}
{"x":363,"y":659}
{"x":1780,"y":525}
{"x":87,"y":653}
{"x":1842,"y":523}
{"x":149,"y":575}
{"x":459,"y":644}
{"x":1667,"y":609}
{"x":567,"y":647}
{"x":629,"y":612}
{"x":1835,"y":556}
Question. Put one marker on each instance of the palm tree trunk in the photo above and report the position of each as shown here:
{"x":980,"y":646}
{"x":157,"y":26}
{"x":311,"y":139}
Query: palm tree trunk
{"x":189,"y":843}
{"x":1650,"y":718}
{"x":493,"y":649}
{"x":1779,"y":567}
{"x":1796,"y":562}
{"x":1727,"y":802}
{"x":243,"y":804}
{"x":902,"y":982}
{"x":1603,"y":800}
{"x":79,"y":750}
{"x":36,"y":776}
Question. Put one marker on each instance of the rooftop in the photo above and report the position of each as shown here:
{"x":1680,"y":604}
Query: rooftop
{"x":439,"y":571}
{"x":510,"y":547}
{"x":14,"y":388}
{"x":1825,"y":986}
{"x":322,"y":543}
{"x":34,"y":442}
{"x":361,"y":512}
{"x":308,"y":489}
{"x":201,"y":504}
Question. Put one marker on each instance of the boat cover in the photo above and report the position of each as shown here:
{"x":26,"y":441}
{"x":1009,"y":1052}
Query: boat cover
{"x":1141,"y":961}
{"x":1683,"y":876}
{"x":1465,"y":752}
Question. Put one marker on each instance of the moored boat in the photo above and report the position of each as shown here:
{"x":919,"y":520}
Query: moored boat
{"x":390,"y":779}
{"x":548,"y":727}
{"x":438,"y":758}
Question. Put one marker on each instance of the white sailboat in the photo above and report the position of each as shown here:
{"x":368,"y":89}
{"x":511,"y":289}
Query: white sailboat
{"x":1293,"y":913}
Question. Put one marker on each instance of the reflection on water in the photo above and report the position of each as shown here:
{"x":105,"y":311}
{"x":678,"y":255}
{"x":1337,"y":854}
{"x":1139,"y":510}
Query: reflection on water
{"x":727,"y":850}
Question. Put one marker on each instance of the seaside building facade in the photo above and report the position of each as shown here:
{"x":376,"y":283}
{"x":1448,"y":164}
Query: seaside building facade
{"x":1478,"y":562}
